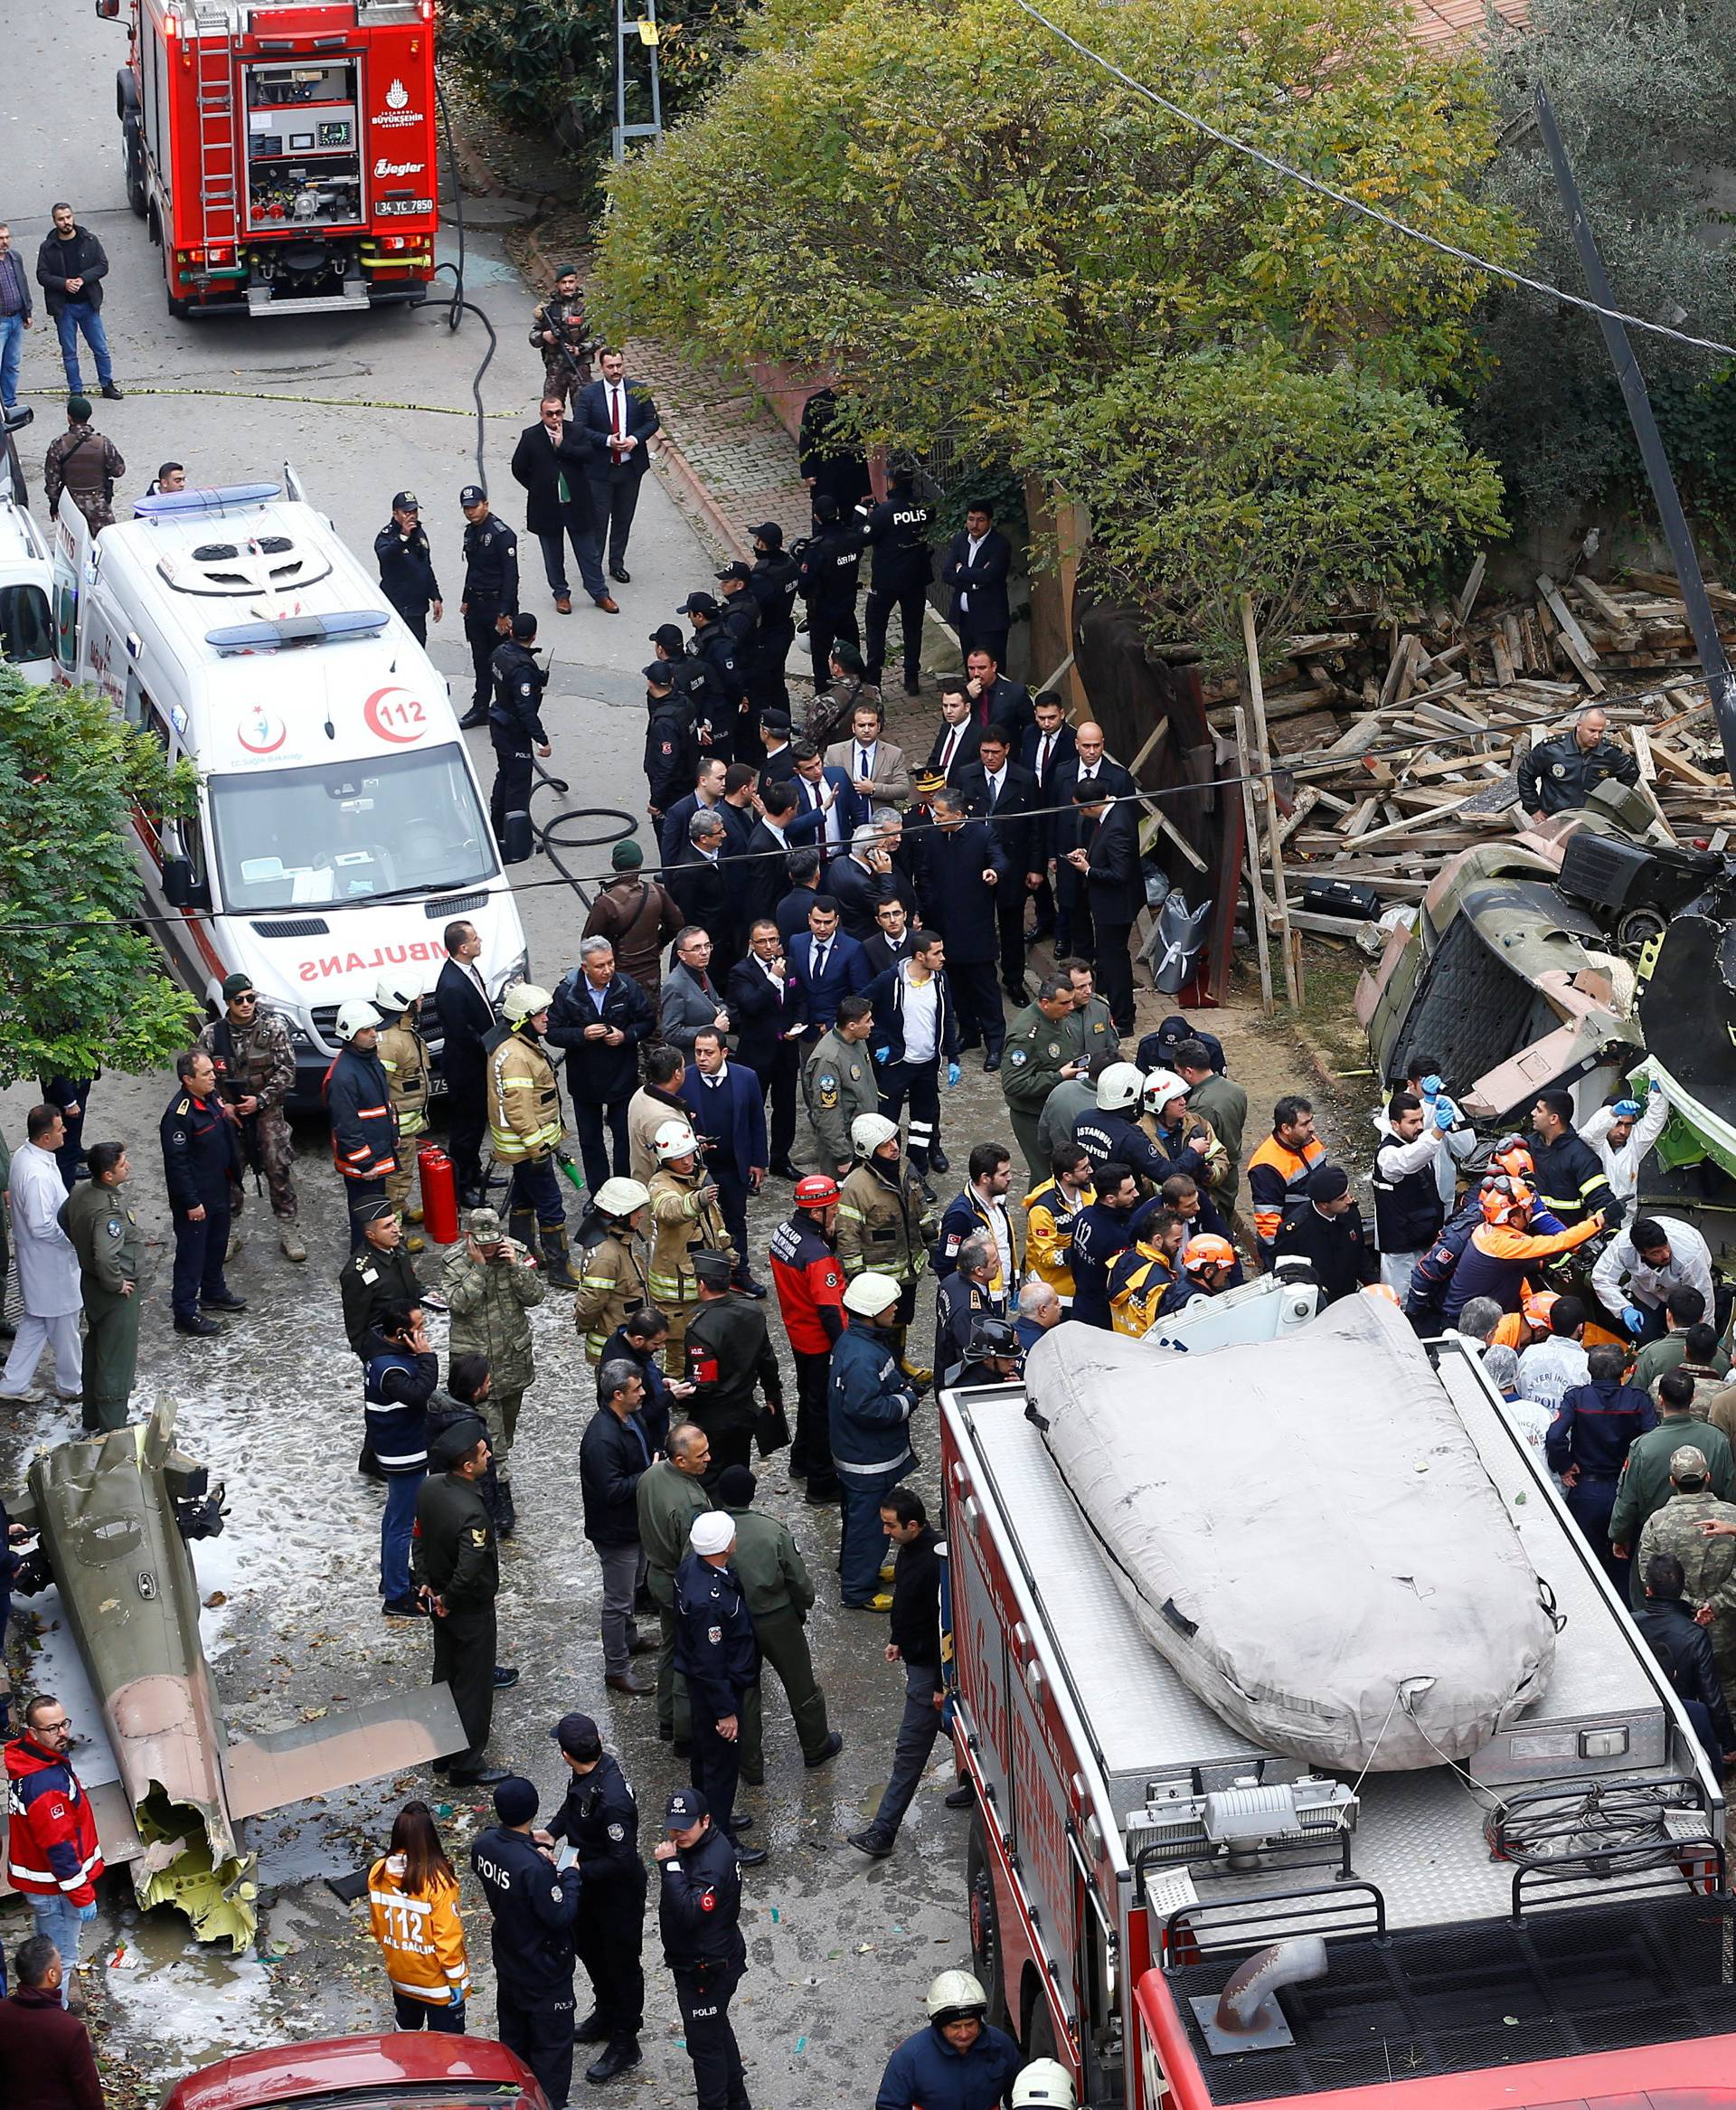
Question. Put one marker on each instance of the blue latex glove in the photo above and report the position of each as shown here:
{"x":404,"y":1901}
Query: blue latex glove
{"x":1627,"y":1110}
{"x":1632,"y":1318}
{"x":882,"y":1055}
{"x":86,"y":1911}
{"x":1431,"y":1087}
{"x":953,"y":1075}
{"x":454,"y":1999}
{"x":1655,"y":1089}
{"x":1446,"y":1114}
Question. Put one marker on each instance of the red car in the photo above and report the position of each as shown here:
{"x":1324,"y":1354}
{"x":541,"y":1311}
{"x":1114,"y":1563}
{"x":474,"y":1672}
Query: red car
{"x":419,"y":2071}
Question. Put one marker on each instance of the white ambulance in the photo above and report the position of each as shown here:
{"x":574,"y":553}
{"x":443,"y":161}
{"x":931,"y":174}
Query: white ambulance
{"x":341,"y":825}
{"x":25,"y":641}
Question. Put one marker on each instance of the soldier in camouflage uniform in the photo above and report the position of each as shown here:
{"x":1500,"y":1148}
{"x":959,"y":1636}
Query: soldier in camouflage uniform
{"x":491,"y":1282}
{"x":249,"y":1049}
{"x":84,"y":466}
{"x":403,"y":1057}
{"x":560,"y":332}
{"x":1709,"y":1565}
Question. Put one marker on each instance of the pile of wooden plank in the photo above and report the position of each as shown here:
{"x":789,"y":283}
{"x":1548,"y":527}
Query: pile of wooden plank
{"x":1394,"y":744}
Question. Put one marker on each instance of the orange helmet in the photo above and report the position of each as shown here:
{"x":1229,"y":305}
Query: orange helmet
{"x":1506,"y":1200}
{"x":1206,"y":1249}
{"x":1538,"y":1305}
{"x":1512,"y":1155}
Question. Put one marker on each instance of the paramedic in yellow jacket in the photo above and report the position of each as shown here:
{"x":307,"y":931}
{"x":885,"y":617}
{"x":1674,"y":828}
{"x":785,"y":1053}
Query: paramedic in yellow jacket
{"x":1049,"y":1211}
{"x":524,"y":1126}
{"x":413,"y":1910}
{"x":1143,"y":1279}
{"x":403,"y":1057}
{"x":685,"y":1219}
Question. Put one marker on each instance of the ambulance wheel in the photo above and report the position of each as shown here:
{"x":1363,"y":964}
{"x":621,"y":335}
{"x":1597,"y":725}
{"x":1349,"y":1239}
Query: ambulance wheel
{"x":985,"y":1923}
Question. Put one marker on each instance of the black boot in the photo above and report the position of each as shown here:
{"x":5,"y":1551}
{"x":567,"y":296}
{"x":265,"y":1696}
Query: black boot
{"x":621,"y":2056}
{"x":556,"y":1271}
{"x":521,"y":1223}
{"x":505,"y":1514}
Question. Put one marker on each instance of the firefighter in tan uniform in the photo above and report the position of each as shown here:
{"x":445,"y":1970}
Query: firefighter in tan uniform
{"x":525,"y":1127}
{"x":403,"y":1057}
{"x":684,"y":1219}
{"x":614,"y":1265}
{"x":885,"y":1225}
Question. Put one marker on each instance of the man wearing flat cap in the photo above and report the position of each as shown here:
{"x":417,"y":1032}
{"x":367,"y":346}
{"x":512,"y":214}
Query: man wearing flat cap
{"x":1326,"y":1231}
{"x":560,"y":332}
{"x":490,"y":593}
{"x":407,"y":566}
{"x":599,"y":1820}
{"x":455,"y":1564}
{"x":717,"y":1654}
{"x":699,"y":1917}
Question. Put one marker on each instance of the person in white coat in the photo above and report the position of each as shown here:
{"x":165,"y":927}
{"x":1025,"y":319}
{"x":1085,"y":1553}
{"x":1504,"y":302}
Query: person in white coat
{"x":1642,"y":1264}
{"x":1621,"y":1135}
{"x":48,"y":1267}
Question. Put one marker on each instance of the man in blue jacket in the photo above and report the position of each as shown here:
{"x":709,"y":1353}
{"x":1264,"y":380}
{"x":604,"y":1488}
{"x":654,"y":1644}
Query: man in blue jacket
{"x":718,"y":1653}
{"x":961,"y":2061}
{"x":728,"y":1114}
{"x":202,"y":1169}
{"x":872,"y":1403}
{"x":827,"y":966}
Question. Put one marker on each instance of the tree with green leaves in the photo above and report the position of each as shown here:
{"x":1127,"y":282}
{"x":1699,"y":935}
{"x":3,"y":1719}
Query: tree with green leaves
{"x":989,"y":238}
{"x":1642,"y":96}
{"x":81,"y":985}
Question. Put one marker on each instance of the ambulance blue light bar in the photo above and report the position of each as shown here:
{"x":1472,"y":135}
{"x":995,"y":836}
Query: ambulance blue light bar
{"x":288,"y":633}
{"x":187,"y":505}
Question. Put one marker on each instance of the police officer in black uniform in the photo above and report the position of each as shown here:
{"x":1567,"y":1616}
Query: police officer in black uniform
{"x":717,"y":676}
{"x":729,"y":1353}
{"x":407,"y":566}
{"x":671,"y":743}
{"x":535,"y":1911}
{"x":202,"y":1166}
{"x":897,"y":532}
{"x":1560,"y":775}
{"x":740,"y":620}
{"x":718,"y":1653}
{"x":455,"y":1567}
{"x":490,"y":593}
{"x":831,"y":573}
{"x":775,"y":585}
{"x":699,"y":1916}
{"x":516,"y":721}
{"x":600,"y":1821}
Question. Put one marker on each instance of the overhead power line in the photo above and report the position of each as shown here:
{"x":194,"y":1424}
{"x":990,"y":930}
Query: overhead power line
{"x":1326,"y":190}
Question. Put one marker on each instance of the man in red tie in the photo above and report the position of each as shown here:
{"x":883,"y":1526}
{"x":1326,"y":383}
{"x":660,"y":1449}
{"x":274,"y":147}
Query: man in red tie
{"x":620,"y":417}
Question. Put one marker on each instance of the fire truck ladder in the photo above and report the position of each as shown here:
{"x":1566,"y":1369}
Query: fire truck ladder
{"x":213,"y":88}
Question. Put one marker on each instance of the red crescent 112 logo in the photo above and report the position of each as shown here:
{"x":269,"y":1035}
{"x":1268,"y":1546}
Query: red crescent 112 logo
{"x":393,"y":714}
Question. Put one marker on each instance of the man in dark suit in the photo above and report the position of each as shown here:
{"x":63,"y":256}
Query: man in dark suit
{"x":620,"y":417}
{"x":962,"y":869}
{"x":764,"y":867}
{"x":768,"y":1011}
{"x":600,"y":1018}
{"x":779,"y":764}
{"x":730,"y":1121}
{"x":976,"y":566}
{"x":829,"y":823}
{"x":552,"y":460}
{"x":893,"y":938}
{"x":791,"y":912}
{"x":1106,"y":859}
{"x":707,"y":793}
{"x":995,"y":699}
{"x":860,"y":882}
{"x":1047,"y":748}
{"x":828,"y":966}
{"x":467,"y":1016}
{"x":701,"y":887}
{"x":960,"y":734}
{"x":1000,"y":791}
{"x":1090,"y":765}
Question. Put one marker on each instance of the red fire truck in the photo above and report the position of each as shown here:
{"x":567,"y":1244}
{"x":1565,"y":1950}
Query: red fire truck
{"x":1188,"y":1920}
{"x":283,"y":155}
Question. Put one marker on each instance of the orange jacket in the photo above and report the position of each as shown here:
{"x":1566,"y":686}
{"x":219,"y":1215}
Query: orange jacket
{"x":420,"y":1937}
{"x":1276,"y":1180}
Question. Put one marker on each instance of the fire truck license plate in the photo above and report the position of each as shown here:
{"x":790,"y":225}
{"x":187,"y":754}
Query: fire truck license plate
{"x":404,"y":205}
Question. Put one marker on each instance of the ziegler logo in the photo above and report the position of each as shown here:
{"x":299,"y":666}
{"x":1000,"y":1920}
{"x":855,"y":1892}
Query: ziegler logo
{"x":384,"y":168}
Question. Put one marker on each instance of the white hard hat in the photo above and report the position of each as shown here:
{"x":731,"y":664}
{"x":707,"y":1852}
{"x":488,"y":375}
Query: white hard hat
{"x":620,"y":1197}
{"x":956,"y":1994}
{"x":868,"y":1295}
{"x":1160,"y":1087}
{"x":868,"y":1132}
{"x":1045,"y":2082}
{"x":393,"y":994}
{"x":672,"y":1138}
{"x":1119,"y":1085}
{"x":354,"y":1016}
{"x":524,"y":1000}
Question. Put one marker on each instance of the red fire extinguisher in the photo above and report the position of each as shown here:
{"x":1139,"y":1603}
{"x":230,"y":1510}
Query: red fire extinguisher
{"x":439,"y":1195}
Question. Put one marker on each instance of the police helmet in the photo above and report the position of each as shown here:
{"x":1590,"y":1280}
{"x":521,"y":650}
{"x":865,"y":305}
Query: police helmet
{"x":956,"y":1996}
{"x":991,"y":1335}
{"x":1120,"y":1086}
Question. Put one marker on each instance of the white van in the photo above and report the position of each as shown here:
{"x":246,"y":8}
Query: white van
{"x":27,"y":639}
{"x":341,"y":825}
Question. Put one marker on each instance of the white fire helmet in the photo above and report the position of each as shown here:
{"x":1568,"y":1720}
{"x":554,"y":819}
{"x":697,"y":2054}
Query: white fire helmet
{"x":1043,"y":2084}
{"x":356,"y":1016}
{"x":672,"y":1140}
{"x":1118,"y":1086}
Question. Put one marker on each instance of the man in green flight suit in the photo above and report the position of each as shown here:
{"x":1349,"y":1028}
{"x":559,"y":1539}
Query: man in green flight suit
{"x":1034,"y":1060}
{"x":105,"y":1235}
{"x":669,"y":1497}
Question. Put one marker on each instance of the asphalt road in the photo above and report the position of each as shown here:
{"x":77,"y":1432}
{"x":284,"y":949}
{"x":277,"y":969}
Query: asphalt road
{"x":840,"y":1952}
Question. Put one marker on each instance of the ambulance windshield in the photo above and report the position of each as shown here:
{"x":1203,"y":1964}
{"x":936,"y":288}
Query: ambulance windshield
{"x":392,"y":824}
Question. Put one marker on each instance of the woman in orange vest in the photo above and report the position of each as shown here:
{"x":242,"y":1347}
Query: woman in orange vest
{"x":413,"y":1906}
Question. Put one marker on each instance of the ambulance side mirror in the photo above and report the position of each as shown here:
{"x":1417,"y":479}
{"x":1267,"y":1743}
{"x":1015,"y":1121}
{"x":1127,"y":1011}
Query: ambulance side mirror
{"x":178,"y":889}
{"x":110,"y":9}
